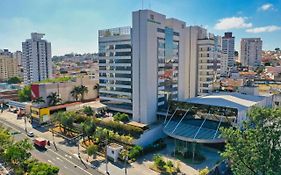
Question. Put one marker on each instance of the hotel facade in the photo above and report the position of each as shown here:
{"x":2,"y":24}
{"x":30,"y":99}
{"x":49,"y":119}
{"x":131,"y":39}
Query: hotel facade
{"x":164,"y":60}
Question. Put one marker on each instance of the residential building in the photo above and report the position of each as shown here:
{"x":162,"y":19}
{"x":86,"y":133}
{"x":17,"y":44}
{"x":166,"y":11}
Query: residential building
{"x":8,"y":65}
{"x":251,"y":52}
{"x":115,"y":68}
{"x":208,"y":64}
{"x":36,"y":59}
{"x":18,"y":56}
{"x":228,"y":53}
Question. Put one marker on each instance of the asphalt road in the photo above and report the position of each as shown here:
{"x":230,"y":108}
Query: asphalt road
{"x":68,"y":164}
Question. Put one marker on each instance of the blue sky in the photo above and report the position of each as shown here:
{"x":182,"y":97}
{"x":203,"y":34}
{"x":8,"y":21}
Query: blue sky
{"x":72,"y":25}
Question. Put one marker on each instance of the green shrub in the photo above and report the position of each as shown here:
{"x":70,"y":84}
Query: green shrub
{"x":159,"y":162}
{"x":135,"y":152}
{"x":122,"y":129}
{"x":121,"y":117}
{"x":88,"y":111}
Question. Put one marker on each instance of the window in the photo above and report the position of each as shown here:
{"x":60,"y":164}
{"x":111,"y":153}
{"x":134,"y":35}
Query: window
{"x":208,"y":55}
{"x":152,"y":17}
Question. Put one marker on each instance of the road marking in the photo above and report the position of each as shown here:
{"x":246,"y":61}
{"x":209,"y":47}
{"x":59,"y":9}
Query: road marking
{"x":59,"y":159}
{"x":50,"y":161}
{"x":68,"y":156}
{"x":71,"y":162}
{"x":65,"y":167}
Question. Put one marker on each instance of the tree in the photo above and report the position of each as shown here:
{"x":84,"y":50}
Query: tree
{"x":54,"y":98}
{"x":88,"y":111}
{"x":5,"y":139}
{"x":25,"y":94}
{"x":83,"y":91}
{"x":35,"y":168}
{"x":14,"y":80}
{"x":89,"y":128}
{"x":17,"y":153}
{"x":92,"y":150}
{"x":256,"y":147}
{"x":75,"y":93}
{"x":66,"y":121}
{"x":38,"y":100}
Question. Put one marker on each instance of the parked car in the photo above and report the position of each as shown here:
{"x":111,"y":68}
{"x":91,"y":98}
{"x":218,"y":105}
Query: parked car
{"x":30,"y":134}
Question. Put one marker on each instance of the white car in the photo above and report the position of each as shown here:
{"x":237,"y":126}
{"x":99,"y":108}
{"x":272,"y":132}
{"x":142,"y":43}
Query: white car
{"x":30,"y":134}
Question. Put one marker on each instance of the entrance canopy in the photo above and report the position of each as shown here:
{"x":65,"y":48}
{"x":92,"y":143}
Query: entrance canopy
{"x":188,"y":128}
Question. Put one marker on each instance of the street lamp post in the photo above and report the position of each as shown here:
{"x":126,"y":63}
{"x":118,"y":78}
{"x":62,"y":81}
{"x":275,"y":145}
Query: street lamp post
{"x":25,"y":128}
{"x":126,"y":159}
{"x":106,"y":160}
{"x":78,"y":147}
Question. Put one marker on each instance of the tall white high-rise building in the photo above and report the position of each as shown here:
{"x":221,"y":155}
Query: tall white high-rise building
{"x":158,"y":49}
{"x":36,"y":59}
{"x":115,"y":68}
{"x":159,"y":61}
{"x":227,"y":60}
{"x":167,"y":64}
{"x":250,"y":52}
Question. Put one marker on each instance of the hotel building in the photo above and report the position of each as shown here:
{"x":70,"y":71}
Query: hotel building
{"x":157,"y":61}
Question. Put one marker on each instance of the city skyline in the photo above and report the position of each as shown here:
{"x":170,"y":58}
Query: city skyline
{"x":246,"y":19}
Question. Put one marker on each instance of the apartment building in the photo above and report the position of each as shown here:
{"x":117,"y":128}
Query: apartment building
{"x":36,"y":59}
{"x":8,"y":65}
{"x":115,"y":68}
{"x":209,"y":56}
{"x":228,"y":53}
{"x":251,"y":52}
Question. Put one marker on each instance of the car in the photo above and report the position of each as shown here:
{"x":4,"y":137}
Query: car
{"x":30,"y":134}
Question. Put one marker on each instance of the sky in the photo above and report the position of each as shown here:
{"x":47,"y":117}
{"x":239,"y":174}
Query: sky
{"x":72,"y":25}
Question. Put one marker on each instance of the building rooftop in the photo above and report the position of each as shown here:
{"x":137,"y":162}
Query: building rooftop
{"x":232,"y":100}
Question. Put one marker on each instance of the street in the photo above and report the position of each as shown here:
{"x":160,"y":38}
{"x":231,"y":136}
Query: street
{"x":68,"y":164}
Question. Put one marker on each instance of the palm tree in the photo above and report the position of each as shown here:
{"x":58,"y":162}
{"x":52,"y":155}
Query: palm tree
{"x":75,"y":93}
{"x":38,"y":100}
{"x":83,"y":91}
{"x":96,"y":86}
{"x":54,"y":99}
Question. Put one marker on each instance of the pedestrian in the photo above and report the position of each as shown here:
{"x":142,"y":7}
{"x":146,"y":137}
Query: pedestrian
{"x":2,"y":108}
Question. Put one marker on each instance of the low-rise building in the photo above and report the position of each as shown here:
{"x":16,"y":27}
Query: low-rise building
{"x":63,"y":89}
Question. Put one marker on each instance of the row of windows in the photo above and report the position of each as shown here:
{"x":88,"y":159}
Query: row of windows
{"x":115,"y":68}
{"x":163,"y":31}
{"x":103,"y":54}
{"x":102,"y":81}
{"x":115,"y":89}
{"x":112,"y":75}
{"x":115,"y":61}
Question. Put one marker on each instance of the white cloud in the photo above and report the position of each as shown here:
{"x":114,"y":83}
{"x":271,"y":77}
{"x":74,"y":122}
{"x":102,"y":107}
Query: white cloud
{"x":232,"y":23}
{"x":266,"y":7}
{"x":271,"y":28}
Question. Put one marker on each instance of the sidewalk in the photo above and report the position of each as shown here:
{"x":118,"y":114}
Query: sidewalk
{"x":136,"y":168}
